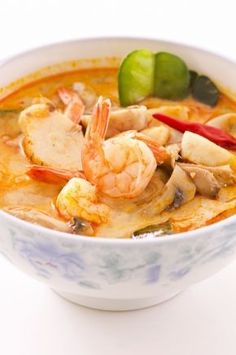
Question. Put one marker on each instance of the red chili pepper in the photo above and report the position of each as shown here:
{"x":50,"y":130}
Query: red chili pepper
{"x":214,"y":134}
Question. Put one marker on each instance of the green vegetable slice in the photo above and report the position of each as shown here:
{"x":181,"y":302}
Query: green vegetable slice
{"x":171,"y":76}
{"x":136,"y":77}
{"x":205,"y":91}
{"x":156,"y":230}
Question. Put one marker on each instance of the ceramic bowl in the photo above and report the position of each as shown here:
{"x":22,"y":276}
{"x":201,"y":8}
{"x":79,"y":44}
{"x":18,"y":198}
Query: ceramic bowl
{"x":116,"y":274}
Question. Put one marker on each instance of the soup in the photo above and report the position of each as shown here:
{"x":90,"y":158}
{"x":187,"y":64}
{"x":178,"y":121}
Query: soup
{"x":161,"y":163}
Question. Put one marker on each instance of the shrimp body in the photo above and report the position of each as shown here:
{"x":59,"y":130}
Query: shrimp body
{"x":120,"y":166}
{"x":78,"y":198}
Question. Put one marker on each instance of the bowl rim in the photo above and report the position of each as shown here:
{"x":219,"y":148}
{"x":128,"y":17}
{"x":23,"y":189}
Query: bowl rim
{"x":126,"y":241}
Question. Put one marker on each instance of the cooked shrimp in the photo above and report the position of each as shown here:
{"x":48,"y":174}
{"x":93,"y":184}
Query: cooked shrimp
{"x":78,"y":198}
{"x":74,"y":105}
{"x":120,"y":166}
{"x":52,"y":176}
{"x":159,"y":152}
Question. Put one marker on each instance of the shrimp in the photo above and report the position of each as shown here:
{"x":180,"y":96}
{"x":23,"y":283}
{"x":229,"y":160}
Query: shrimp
{"x":53,"y":138}
{"x":78,"y":199}
{"x":159,"y":152}
{"x":74,"y":105}
{"x":120,"y":166}
{"x":52,"y":176}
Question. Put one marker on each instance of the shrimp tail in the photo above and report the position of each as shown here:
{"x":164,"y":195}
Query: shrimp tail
{"x":100,"y":120}
{"x":51,"y":175}
{"x":74,"y":105}
{"x":159,"y":152}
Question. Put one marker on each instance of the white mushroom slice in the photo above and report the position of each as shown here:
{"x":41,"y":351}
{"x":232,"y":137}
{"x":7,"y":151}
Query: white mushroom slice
{"x":178,"y":190}
{"x":226,"y":122}
{"x":223,"y":174}
{"x":51,"y":138}
{"x":206,"y":184}
{"x":160,"y":134}
{"x":200,"y":150}
{"x":124,"y":119}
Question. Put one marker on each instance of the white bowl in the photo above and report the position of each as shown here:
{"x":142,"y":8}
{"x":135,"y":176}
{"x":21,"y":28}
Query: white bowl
{"x":116,"y":274}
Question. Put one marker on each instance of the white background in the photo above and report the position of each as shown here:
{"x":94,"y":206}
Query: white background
{"x":33,"y":320}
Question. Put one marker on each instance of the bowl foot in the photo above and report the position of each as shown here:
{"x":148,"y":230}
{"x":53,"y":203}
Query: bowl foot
{"x":107,"y":304}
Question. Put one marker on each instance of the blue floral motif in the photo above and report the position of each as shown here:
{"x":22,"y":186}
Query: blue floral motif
{"x":47,"y":259}
{"x":153,"y":274}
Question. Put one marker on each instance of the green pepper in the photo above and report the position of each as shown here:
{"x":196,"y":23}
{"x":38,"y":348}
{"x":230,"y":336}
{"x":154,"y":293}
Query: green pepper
{"x":171,"y":77}
{"x":136,"y":77}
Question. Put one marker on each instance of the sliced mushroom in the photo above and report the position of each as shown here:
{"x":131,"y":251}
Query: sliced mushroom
{"x":223,"y":174}
{"x":123,"y":119}
{"x":178,"y":190}
{"x":200,"y":150}
{"x":226,"y":122}
{"x":206,"y":184}
{"x":174,"y":152}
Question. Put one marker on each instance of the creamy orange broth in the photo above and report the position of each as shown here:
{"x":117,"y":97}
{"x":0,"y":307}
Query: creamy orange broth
{"x":17,"y":189}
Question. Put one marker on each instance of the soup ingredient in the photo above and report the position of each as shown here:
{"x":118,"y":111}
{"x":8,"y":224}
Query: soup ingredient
{"x":197,"y":213}
{"x":178,"y":190}
{"x":123,"y":119}
{"x":223,"y":174}
{"x":78,"y":199}
{"x":193,"y":76}
{"x":159,"y":152}
{"x":156,"y":230}
{"x":226,"y":122}
{"x":205,"y":182}
{"x":136,"y":77}
{"x":120,"y":166}
{"x":51,"y":138}
{"x":51,"y":175}
{"x":214,"y":134}
{"x":200,"y":150}
{"x":80,"y":226}
{"x":161,"y":134}
{"x":87,"y":95}
{"x":205,"y":91}
{"x":74,"y":105}
{"x":33,"y":215}
{"x":171,"y":76}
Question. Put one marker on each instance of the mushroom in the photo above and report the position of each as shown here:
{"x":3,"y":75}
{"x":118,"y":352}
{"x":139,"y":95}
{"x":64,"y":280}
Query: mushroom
{"x":178,"y":190}
{"x":173,"y":150}
{"x":200,"y":150}
{"x":123,"y":119}
{"x":226,"y":122}
{"x":209,"y":180}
